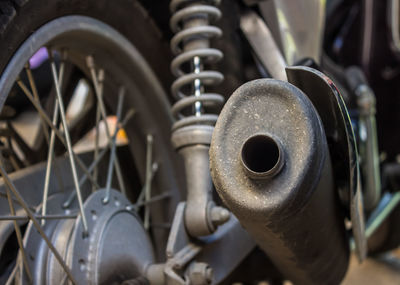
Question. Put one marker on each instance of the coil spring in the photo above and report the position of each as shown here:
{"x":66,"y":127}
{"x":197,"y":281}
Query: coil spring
{"x":200,"y":31}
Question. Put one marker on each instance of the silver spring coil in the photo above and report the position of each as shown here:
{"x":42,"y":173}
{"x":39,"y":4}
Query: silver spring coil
{"x":185,"y":11}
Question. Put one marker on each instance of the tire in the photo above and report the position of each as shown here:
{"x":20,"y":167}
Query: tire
{"x":20,"y":18}
{"x":20,"y":21}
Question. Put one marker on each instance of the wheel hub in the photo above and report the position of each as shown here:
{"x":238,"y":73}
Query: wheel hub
{"x":115,"y":248}
{"x":79,"y":49}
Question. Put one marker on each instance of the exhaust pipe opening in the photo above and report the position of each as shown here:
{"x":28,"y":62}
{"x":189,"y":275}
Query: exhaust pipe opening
{"x":261,"y":156}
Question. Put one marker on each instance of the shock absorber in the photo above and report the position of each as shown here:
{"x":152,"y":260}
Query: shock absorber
{"x":193,"y":111}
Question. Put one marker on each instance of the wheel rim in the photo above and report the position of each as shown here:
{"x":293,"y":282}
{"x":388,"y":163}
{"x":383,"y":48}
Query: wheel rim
{"x":89,"y":45}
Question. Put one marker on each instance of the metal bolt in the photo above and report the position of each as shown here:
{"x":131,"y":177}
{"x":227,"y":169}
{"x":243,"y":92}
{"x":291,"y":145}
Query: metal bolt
{"x":200,"y":274}
{"x":219,"y":215}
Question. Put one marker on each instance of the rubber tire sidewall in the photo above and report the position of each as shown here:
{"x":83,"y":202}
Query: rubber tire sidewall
{"x":126,"y":16}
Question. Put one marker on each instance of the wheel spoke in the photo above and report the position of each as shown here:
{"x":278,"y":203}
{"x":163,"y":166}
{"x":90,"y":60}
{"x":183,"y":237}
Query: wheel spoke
{"x":141,"y":197}
{"x":91,"y":66}
{"x":10,"y":280}
{"x":68,"y":141}
{"x":128,"y":116}
{"x":83,"y":179}
{"x":50,"y":154}
{"x":35,"y":93}
{"x":19,"y":236}
{"x":66,"y":111}
{"x":153,"y":199}
{"x":147,"y":191}
{"x":98,"y":116}
{"x":58,"y":133}
{"x":50,"y":157}
{"x":113,"y":145}
{"x":35,"y":222}
{"x":43,"y":124}
{"x":38,"y":217}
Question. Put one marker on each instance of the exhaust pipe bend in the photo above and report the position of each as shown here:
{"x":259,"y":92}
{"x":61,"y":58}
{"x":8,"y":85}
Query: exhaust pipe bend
{"x":270,"y":164}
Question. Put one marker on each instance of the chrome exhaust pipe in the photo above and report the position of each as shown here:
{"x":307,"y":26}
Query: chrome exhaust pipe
{"x":270,"y":164}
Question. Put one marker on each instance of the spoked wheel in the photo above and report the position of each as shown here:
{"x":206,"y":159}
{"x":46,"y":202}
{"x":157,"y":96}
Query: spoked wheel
{"x":88,"y":183}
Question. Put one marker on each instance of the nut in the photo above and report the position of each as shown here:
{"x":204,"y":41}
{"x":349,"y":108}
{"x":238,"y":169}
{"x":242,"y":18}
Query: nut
{"x":200,"y":273}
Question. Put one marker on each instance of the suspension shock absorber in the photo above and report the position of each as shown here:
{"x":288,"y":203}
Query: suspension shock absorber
{"x":192,"y":131}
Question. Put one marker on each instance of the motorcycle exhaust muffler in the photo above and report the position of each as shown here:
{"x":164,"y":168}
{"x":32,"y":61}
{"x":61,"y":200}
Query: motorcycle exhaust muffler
{"x":270,"y":164}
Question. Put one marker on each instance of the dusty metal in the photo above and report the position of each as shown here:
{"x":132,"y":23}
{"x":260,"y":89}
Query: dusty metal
{"x":145,"y":93}
{"x":98,"y":158}
{"x":191,"y":134}
{"x":36,"y":224}
{"x":230,"y":237}
{"x":149,"y":175}
{"x":342,"y":143}
{"x":263,"y":44}
{"x":100,"y":79}
{"x":50,"y":154}
{"x":38,"y":217}
{"x":19,"y":238}
{"x":293,"y":214}
{"x":113,"y":138}
{"x":117,"y":247}
{"x":91,"y":65}
{"x":301,"y":36}
{"x":369,"y":147}
{"x":26,"y":180}
{"x":67,"y":137}
{"x":183,"y":251}
{"x":60,"y":135}
{"x":59,"y":232}
{"x":180,"y":250}
{"x":368,"y":137}
{"x":191,"y":45}
{"x":193,"y":144}
{"x":199,"y":273}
